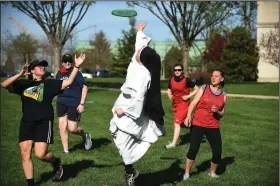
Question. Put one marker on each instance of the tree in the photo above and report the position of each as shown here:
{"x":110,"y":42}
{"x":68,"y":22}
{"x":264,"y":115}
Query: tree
{"x":23,"y":45}
{"x":56,"y":18}
{"x":186,"y":20}
{"x":213,"y":52}
{"x":101,"y":50}
{"x":240,"y":57}
{"x":269,"y":44}
{"x":247,"y":10}
{"x":125,"y":51}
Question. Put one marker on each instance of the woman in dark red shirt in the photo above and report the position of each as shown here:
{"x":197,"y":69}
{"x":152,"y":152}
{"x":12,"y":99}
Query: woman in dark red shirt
{"x":210,"y":108}
{"x":179,"y":92}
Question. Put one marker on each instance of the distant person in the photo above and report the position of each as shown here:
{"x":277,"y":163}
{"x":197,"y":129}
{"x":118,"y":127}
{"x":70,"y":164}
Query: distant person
{"x":210,"y":104}
{"x":70,"y":104}
{"x":137,"y":113}
{"x":36,"y":126}
{"x":179,"y":91}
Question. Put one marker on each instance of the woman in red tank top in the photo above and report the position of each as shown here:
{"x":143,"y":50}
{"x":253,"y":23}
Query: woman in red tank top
{"x":179,"y":92}
{"x":210,"y":108}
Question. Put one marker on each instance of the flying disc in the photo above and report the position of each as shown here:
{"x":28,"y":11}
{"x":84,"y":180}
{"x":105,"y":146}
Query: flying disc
{"x":124,"y":12}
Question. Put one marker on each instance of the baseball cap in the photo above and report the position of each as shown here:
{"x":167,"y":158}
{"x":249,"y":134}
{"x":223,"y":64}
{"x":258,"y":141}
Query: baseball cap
{"x":37,"y":63}
{"x":67,"y":58}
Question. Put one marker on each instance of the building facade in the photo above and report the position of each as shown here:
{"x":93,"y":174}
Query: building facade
{"x":267,"y":19}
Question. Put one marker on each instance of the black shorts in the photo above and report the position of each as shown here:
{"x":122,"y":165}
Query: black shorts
{"x":71,"y":112}
{"x":37,"y":131}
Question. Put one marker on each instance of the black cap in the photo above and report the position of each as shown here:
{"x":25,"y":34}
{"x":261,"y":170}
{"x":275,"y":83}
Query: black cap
{"x":67,"y":58}
{"x":37,"y":63}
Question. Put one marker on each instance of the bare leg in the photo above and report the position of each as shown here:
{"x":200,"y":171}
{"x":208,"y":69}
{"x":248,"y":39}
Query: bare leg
{"x":26,"y":150}
{"x":63,"y":132}
{"x":177,"y":130}
{"x":189,"y":164}
{"x":75,"y":129}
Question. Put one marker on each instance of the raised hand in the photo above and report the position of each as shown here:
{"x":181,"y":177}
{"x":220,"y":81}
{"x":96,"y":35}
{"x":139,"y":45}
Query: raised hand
{"x":24,"y":70}
{"x":79,"y":61}
{"x":141,"y":26}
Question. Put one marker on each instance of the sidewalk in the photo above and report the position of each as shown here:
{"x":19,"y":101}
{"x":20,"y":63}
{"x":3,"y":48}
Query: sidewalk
{"x":229,"y":95}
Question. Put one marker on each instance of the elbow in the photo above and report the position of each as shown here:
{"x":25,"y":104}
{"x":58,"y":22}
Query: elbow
{"x":3,"y":85}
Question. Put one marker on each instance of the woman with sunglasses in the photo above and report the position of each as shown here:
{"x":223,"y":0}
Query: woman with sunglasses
{"x":70,"y":104}
{"x":36,"y":126}
{"x":179,"y":92}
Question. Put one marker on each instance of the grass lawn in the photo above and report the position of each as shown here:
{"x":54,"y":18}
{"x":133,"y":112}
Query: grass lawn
{"x":251,"y":88}
{"x":250,"y":148}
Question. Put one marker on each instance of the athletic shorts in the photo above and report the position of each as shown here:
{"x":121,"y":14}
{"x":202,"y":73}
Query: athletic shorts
{"x":180,"y":112}
{"x":37,"y":131}
{"x":71,"y":112}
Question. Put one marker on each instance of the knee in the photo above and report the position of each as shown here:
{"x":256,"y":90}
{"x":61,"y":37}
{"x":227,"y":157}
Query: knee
{"x":40,"y":155}
{"x":192,"y":153}
{"x":26,"y":154}
{"x":62,"y":125}
{"x":73,"y":129}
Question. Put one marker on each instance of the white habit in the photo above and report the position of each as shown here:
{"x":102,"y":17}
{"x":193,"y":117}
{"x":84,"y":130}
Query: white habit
{"x":134,"y":132}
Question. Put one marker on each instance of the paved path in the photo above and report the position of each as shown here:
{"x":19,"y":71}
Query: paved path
{"x":229,"y":95}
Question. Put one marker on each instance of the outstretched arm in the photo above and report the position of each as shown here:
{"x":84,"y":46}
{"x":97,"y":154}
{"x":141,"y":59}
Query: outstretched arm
{"x":5,"y":84}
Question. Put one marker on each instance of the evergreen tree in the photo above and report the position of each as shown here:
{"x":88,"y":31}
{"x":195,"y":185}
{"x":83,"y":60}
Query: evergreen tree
{"x":125,"y":51}
{"x":101,"y":52}
{"x":240,"y":56}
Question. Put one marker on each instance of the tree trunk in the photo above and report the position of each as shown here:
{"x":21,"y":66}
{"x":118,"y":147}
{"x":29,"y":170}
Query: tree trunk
{"x":185,"y":50}
{"x":163,"y":71}
{"x":56,"y":58}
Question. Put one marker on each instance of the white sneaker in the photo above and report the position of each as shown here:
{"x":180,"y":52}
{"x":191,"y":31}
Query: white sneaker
{"x":213,"y":175}
{"x":170,"y":145}
{"x":186,"y":177}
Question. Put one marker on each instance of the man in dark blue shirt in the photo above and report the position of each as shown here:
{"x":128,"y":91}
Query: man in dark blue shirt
{"x":70,"y":104}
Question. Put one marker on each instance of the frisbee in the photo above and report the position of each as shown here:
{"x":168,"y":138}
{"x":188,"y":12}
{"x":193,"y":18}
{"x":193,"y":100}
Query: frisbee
{"x":124,"y":12}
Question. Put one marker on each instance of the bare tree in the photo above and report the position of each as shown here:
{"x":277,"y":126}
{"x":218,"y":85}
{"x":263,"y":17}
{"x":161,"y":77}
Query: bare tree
{"x":269,"y":42}
{"x":247,"y":10}
{"x":56,"y":18}
{"x":186,"y":20}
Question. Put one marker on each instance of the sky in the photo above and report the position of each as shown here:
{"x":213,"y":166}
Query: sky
{"x":98,"y":14}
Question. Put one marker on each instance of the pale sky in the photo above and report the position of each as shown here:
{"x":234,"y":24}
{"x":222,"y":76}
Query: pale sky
{"x":98,"y":14}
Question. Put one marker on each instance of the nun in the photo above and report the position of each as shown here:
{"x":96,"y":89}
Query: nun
{"x":138,"y":113}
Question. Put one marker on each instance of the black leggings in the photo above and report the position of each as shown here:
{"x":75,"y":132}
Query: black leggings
{"x":214,"y":138}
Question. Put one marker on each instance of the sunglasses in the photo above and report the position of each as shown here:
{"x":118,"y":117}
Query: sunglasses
{"x":177,"y":70}
{"x":67,"y":62}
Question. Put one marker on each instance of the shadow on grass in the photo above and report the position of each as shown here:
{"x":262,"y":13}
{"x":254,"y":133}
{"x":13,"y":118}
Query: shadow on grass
{"x":72,"y":170}
{"x":204,"y":166}
{"x":172,"y":175}
{"x":96,"y":143}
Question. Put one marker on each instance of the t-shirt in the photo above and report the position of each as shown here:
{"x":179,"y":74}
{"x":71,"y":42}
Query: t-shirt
{"x":36,"y":97}
{"x":189,"y":83}
{"x":71,"y":96}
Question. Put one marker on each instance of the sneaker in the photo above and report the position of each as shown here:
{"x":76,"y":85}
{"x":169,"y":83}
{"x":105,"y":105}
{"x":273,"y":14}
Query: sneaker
{"x":57,"y":170}
{"x":87,"y":140}
{"x":213,"y":175}
{"x":186,"y":177}
{"x":129,"y":178}
{"x":170,"y":145}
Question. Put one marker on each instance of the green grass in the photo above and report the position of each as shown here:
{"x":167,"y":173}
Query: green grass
{"x":250,"y":148}
{"x":269,"y":89}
